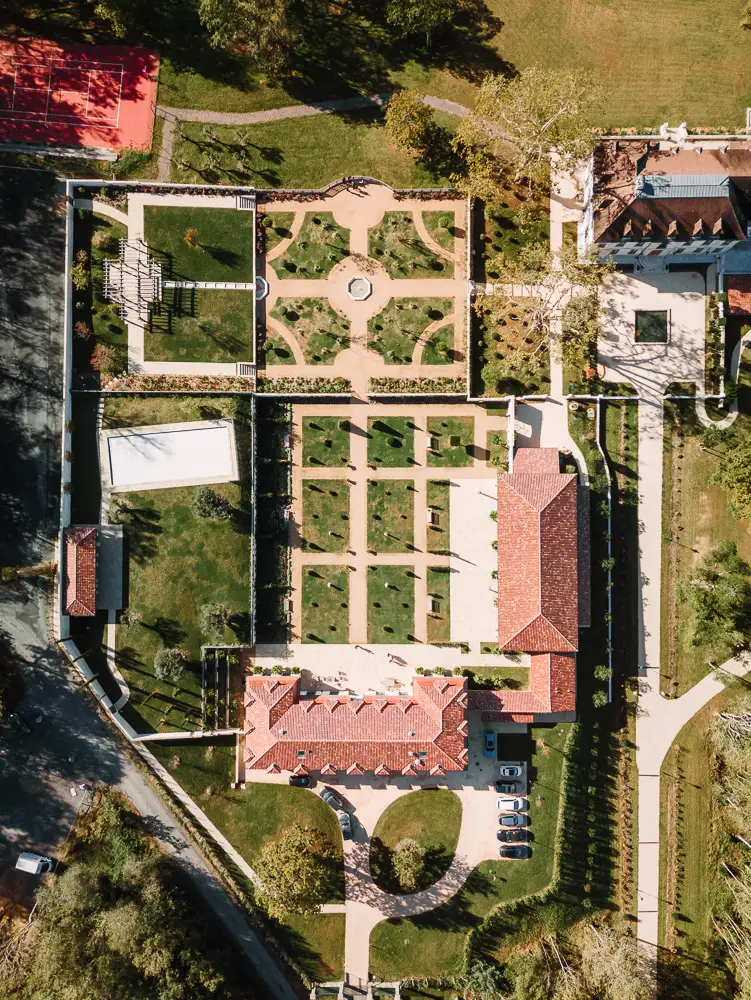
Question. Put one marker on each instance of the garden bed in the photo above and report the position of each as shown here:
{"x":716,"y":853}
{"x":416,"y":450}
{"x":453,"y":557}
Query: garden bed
{"x":320,"y":244}
{"x":395,"y":331}
{"x":454,"y":439}
{"x":391,"y":604}
{"x":439,"y":589}
{"x":391,"y":515}
{"x":394,"y":243}
{"x":442,"y":227}
{"x":318,"y":328}
{"x":325,"y":604}
{"x":438,"y":499}
{"x":391,"y":442}
{"x":325,"y":515}
{"x":507,"y":357}
{"x":325,"y":441}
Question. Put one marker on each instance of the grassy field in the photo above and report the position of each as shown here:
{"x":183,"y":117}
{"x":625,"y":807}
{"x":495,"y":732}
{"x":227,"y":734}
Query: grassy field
{"x":513,"y":678}
{"x":394,"y":332}
{"x":444,"y":235}
{"x":439,"y":500}
{"x":320,"y":244}
{"x":225,"y":249}
{"x":277,"y":226}
{"x":391,"y":604}
{"x":391,"y":442}
{"x":318,"y":328}
{"x":432,"y":818}
{"x":325,"y":604}
{"x":432,"y":944}
{"x":439,"y":622}
{"x":391,"y":515}
{"x":200,"y":324}
{"x":394,"y":243}
{"x":439,"y":348}
{"x":142,"y":411}
{"x":497,"y":450}
{"x":325,"y":509}
{"x":275,"y":350}
{"x":325,"y":441}
{"x":456,"y":439}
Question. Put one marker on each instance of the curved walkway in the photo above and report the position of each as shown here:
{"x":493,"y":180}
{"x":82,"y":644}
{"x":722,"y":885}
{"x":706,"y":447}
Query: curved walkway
{"x":102,"y":208}
{"x":735,"y":363}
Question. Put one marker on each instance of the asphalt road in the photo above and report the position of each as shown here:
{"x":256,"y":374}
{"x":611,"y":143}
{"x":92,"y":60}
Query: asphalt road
{"x":69,"y":744}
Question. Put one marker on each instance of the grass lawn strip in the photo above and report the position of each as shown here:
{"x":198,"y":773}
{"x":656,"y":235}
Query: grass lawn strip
{"x":439,"y":348}
{"x":455,"y":437}
{"x":276,"y":351}
{"x":391,"y":609}
{"x":439,"y":622}
{"x":325,"y":509}
{"x":394,"y":332}
{"x":433,"y":819}
{"x":438,"y":499}
{"x":320,"y":244}
{"x":497,"y":449}
{"x":444,"y":235}
{"x":391,"y":442}
{"x":325,"y":604}
{"x":226,"y":242}
{"x":432,"y":944}
{"x":200,"y":324}
{"x":142,"y":411}
{"x":205,"y":562}
{"x":511,"y":678}
{"x":278,"y":228}
{"x":319,"y":329}
{"x":325,"y":441}
{"x":394,"y":243}
{"x":107,"y":325}
{"x":391,"y":515}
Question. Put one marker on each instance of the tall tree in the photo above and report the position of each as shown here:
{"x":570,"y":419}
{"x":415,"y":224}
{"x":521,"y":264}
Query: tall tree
{"x":720,"y":594}
{"x":409,"y":121}
{"x":523,"y":120}
{"x":297,"y":870}
{"x":734,"y":475}
{"x":412,"y":17}
{"x":263,"y":31}
{"x":408,"y":862}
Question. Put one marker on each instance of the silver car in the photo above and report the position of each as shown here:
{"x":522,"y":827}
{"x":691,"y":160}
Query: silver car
{"x":515,"y":805}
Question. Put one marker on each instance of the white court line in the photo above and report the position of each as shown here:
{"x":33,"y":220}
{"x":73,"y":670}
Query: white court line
{"x":13,"y":100}
{"x":49,"y":95}
{"x":88,"y":95}
{"x":67,"y":62}
{"x":119,"y":95}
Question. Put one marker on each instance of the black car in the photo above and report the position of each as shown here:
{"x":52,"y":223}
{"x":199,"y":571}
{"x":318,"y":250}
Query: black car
{"x":300,"y":780}
{"x":332,"y":798}
{"x":519,"y":851}
{"x":345,"y":823}
{"x":513,"y":836}
{"x":509,"y":787}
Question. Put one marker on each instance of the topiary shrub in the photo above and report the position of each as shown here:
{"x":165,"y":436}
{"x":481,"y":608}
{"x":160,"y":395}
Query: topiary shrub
{"x":169,"y":665}
{"x":208,"y":503}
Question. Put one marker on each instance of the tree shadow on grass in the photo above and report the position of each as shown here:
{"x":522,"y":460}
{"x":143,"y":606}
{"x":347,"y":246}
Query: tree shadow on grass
{"x":437,"y":863}
{"x":223,"y":255}
{"x":169,"y":630}
{"x":142,"y":530}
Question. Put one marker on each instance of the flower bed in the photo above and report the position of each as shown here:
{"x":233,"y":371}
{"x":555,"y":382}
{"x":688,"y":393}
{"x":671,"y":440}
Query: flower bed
{"x":397,"y":386}
{"x":178,"y":383}
{"x":303,"y":385}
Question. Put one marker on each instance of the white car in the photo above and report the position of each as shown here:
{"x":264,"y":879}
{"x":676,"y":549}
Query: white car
{"x":511,"y":805}
{"x":511,"y":771}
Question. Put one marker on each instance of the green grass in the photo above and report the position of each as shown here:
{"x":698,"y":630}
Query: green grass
{"x":513,"y":225}
{"x":394,"y":243}
{"x":317,"y":944}
{"x":439,"y":348}
{"x":388,"y":618}
{"x":300,"y":153}
{"x":226,"y":242}
{"x":512,"y":337}
{"x":204,"y":561}
{"x":497,"y":451}
{"x":141,"y":411}
{"x":432,"y":818}
{"x":444,"y":236}
{"x":391,"y":442}
{"x":325,"y":610}
{"x":455,"y":437}
{"x":391,"y":515}
{"x":279,"y":228}
{"x":439,"y":499}
{"x":325,"y":508}
{"x":200,"y":324}
{"x":276,"y":351}
{"x":394,"y":332}
{"x":320,"y":244}
{"x":318,"y":328}
{"x":511,"y":678}
{"x":325,"y":441}
{"x":439,"y":622}
{"x":432,"y":944}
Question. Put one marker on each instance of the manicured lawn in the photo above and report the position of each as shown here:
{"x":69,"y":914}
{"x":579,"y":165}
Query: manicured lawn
{"x":325,"y":604}
{"x":325,"y":441}
{"x":442,"y":227}
{"x":204,"y":562}
{"x":276,"y":351}
{"x":455,"y":441}
{"x":141,"y":411}
{"x":439,"y":587}
{"x":495,"y":445}
{"x":318,"y":328}
{"x":394,"y":243}
{"x":439,"y":349}
{"x":317,"y":944}
{"x":433,"y":943}
{"x":325,"y":509}
{"x":277,"y":228}
{"x":491,"y":344}
{"x":391,"y":515}
{"x":226,"y":242}
{"x":512,"y":225}
{"x":320,"y":244}
{"x":513,"y":678}
{"x":391,"y":442}
{"x":397,"y":328}
{"x":438,"y":500}
{"x":432,"y":818}
{"x":200,"y":324}
{"x":391,"y":609}
{"x":299,"y":153}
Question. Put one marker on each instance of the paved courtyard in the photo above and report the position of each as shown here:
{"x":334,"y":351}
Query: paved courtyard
{"x":474,"y":592}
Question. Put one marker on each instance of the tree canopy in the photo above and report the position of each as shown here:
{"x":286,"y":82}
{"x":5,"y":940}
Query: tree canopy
{"x":719,"y":592}
{"x":263,"y":31}
{"x":409,"y":121}
{"x":734,"y":475}
{"x":297,"y":870}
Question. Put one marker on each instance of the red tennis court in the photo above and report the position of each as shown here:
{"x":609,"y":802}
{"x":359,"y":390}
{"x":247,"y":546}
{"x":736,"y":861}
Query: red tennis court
{"x":77,"y":95}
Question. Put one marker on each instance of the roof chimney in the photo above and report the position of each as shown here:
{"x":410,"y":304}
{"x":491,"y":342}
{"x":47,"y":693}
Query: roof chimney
{"x":673,"y":228}
{"x":698,"y":229}
{"x":717,"y":228}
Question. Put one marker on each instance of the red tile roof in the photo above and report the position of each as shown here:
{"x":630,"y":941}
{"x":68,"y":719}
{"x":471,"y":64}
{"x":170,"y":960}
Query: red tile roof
{"x":552,"y":689}
{"x":422,"y":734}
{"x":538,"y":601}
{"x":80,"y":571}
{"x":738,"y":288}
{"x":537,"y":460}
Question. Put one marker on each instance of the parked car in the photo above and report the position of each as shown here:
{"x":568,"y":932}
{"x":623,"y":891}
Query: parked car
{"x":519,"y":851}
{"x":19,"y":724}
{"x":513,"y":836}
{"x":508,"y":787}
{"x":511,"y":771}
{"x":345,"y":822}
{"x":332,"y":798}
{"x":512,"y":819}
{"x":489,"y":744}
{"x":300,"y":780}
{"x":35,"y":864}
{"x":516,"y":805}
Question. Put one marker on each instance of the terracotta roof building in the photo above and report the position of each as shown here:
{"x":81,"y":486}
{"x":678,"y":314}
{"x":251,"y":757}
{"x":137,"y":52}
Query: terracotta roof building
{"x":651,"y":197}
{"x":80,"y":546}
{"x":738,"y":288}
{"x":425,"y":733}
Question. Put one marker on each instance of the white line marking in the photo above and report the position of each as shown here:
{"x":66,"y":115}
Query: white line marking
{"x":88,"y":95}
{"x":49,"y":96}
{"x":119,"y":93}
{"x":13,"y":100}
{"x":48,"y":117}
